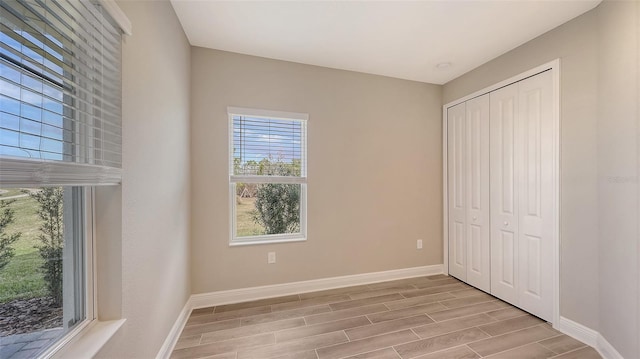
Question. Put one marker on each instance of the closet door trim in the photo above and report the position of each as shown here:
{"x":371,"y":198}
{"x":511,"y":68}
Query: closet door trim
{"x":554,"y":67}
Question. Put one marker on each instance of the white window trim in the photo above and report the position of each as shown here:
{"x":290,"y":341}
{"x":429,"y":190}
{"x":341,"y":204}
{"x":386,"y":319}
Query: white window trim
{"x":84,"y":326}
{"x":302,"y":180}
{"x":88,"y":342}
{"x":90,"y":335}
{"x":274,"y":115}
{"x":269,"y":179}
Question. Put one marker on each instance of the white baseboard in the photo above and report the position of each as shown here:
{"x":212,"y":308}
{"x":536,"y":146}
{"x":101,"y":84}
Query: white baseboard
{"x":564,"y":325}
{"x":174,"y":333}
{"x":588,"y":336}
{"x":277,"y":290}
{"x":606,"y":349}
{"x":577,"y":331}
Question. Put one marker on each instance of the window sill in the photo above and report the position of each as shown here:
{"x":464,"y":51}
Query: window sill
{"x":265,"y":240}
{"x":90,"y":340}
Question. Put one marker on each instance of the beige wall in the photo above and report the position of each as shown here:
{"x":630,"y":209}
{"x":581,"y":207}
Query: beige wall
{"x":618,"y":174}
{"x":575,"y":43}
{"x":599,"y":162}
{"x":155,"y":190}
{"x":374,"y":171}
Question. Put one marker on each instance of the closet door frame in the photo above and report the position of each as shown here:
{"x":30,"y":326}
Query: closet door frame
{"x":554,"y":67}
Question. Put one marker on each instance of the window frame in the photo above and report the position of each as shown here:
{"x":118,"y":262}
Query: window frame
{"x":81,"y":177}
{"x":91,"y":304}
{"x":89,"y":268}
{"x":300,"y":236}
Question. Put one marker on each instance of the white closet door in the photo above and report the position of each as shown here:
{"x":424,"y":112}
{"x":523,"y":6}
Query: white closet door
{"x":456,"y":152}
{"x":536,"y":195}
{"x":504,"y":164}
{"x":477,"y":193}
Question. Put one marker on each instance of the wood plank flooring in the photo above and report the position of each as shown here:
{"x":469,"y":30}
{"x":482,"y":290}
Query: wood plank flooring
{"x":435,"y":317}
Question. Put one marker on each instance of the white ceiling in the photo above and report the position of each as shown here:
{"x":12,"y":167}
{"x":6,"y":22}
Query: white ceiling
{"x":400,"y":39}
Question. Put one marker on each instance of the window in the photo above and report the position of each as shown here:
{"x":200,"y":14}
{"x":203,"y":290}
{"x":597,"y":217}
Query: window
{"x":45,"y":267}
{"x":60,"y":135}
{"x":267,"y":176}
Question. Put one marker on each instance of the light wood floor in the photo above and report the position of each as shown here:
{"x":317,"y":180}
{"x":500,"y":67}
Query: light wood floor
{"x":435,"y":317}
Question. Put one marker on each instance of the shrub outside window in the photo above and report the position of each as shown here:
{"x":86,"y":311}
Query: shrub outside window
{"x":267,"y":176}
{"x":46,"y":276}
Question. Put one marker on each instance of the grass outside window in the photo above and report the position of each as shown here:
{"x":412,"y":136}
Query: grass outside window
{"x":22,"y":278}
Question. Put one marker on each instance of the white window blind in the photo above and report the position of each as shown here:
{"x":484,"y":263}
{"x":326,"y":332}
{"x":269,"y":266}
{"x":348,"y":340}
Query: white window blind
{"x":60,"y":93}
{"x":268,"y":147}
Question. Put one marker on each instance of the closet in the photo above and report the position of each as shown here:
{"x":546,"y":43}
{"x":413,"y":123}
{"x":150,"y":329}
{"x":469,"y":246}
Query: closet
{"x":501,"y":211}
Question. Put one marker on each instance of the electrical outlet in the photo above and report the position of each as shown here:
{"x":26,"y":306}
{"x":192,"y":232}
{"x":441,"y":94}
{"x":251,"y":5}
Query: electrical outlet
{"x":419,"y":244}
{"x":271,"y":257}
